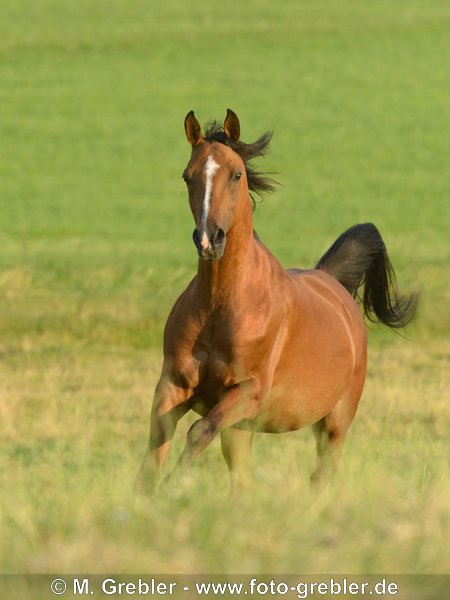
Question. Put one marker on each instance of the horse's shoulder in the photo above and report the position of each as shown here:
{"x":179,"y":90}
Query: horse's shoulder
{"x":182,"y":315}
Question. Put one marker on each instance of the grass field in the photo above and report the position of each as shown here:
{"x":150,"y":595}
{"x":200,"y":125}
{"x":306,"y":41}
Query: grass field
{"x":95,"y":238}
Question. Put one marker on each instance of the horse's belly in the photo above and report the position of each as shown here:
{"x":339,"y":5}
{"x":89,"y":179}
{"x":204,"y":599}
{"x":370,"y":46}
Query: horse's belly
{"x":309,"y":383}
{"x":294,"y":410}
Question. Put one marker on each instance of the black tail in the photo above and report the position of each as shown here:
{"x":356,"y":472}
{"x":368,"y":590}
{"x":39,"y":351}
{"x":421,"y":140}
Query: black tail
{"x":359,"y":257}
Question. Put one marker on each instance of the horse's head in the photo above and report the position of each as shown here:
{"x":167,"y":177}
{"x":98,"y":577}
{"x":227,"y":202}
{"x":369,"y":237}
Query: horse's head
{"x":216,"y":179}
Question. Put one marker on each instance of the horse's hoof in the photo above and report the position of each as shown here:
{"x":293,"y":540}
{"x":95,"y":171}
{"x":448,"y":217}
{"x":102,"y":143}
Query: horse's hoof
{"x":144,"y":485}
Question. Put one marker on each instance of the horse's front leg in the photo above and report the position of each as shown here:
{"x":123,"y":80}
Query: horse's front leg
{"x":239,"y":402}
{"x":170,"y":404}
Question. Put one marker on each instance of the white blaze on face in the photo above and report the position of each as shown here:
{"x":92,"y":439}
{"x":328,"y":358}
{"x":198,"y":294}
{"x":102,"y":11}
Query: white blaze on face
{"x":204,"y":241}
{"x":210,"y":170}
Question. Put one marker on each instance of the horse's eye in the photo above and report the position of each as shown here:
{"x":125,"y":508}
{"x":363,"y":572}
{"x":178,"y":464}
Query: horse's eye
{"x":185,"y":177}
{"x":237,"y":176}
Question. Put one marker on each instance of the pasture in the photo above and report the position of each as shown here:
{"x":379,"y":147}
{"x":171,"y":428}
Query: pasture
{"x":95,"y":238}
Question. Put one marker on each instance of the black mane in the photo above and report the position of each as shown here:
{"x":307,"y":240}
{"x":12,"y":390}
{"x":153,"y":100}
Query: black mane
{"x":257,"y":182}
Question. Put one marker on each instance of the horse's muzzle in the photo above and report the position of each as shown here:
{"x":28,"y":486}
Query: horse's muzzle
{"x":210,"y":247}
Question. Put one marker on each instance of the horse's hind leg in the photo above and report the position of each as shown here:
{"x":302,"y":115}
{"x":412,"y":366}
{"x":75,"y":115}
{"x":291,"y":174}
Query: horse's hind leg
{"x":329,"y":442}
{"x":330,"y":436}
{"x":236,"y":450}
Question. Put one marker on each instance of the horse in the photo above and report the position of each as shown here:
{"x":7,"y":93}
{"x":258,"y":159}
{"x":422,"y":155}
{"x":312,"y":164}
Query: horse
{"x":250,"y":346}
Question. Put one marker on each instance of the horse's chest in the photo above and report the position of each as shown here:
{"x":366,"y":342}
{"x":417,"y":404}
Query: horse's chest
{"x":217,"y":370}
{"x":215,"y":351}
{"x":224,"y":350}
{"x":215,"y":367}
{"x":215,"y":375}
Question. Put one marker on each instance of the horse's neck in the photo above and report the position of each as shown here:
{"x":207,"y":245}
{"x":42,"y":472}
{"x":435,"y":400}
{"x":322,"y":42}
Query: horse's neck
{"x":221,"y":282}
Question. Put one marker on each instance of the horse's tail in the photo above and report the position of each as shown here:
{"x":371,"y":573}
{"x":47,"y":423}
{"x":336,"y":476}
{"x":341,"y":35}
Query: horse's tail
{"x":359,"y":257}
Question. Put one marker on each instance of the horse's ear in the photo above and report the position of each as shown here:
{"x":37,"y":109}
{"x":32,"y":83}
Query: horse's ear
{"x":231,"y":126}
{"x":193,"y":129}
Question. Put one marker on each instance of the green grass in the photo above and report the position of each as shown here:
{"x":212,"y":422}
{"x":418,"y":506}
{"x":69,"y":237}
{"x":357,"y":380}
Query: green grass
{"x":95,"y":237}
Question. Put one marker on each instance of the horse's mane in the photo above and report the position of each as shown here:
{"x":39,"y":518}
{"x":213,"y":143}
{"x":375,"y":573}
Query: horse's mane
{"x":258,"y":182}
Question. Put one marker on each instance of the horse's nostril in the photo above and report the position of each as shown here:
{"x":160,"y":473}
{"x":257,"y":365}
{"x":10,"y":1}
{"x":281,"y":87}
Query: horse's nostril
{"x":219,"y":236}
{"x":196,"y":238}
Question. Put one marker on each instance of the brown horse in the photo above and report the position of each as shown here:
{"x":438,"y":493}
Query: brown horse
{"x":250,"y":346}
